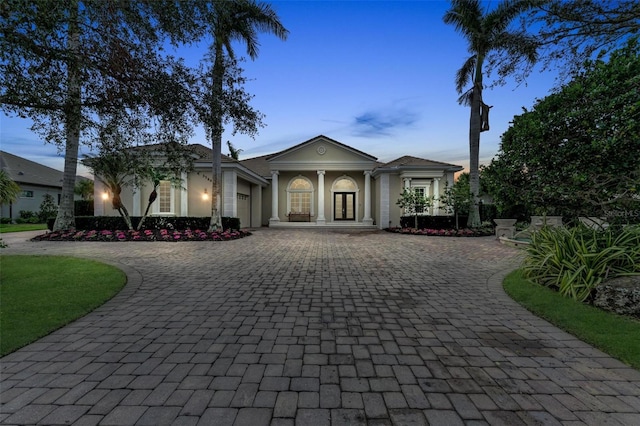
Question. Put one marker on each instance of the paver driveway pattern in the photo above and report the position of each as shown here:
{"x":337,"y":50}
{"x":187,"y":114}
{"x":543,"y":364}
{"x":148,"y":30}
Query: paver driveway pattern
{"x":311,"y":327}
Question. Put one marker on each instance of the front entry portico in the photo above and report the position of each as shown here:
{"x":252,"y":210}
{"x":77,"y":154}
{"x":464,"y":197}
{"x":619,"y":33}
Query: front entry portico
{"x":324,"y":180}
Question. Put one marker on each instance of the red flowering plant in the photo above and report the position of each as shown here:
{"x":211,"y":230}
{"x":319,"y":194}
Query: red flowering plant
{"x":146,"y":235}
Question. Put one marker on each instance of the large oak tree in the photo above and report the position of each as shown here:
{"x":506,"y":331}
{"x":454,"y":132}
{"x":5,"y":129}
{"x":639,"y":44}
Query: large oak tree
{"x":66,"y":63}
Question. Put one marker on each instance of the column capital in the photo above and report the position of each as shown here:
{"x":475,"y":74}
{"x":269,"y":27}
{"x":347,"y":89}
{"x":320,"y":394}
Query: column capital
{"x":320,"y":172}
{"x":367,"y":172}
{"x":274,"y":172}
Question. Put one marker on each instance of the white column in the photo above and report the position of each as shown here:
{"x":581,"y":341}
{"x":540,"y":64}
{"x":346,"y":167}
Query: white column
{"x":184,"y":195}
{"x":385,"y":202}
{"x":367,"y":220}
{"x":436,"y":196}
{"x":320,"y":219}
{"x":426,"y":193}
{"x":229,"y":193}
{"x":274,"y":197}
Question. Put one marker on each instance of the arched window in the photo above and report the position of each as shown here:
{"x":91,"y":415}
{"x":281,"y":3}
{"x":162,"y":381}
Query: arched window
{"x":344,"y":184}
{"x":300,"y":195}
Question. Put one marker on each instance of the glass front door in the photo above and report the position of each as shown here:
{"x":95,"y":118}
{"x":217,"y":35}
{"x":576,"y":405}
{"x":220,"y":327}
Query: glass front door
{"x":344,"y":205}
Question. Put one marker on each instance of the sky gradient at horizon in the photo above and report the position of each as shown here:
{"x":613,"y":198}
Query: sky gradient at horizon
{"x":375,"y":75}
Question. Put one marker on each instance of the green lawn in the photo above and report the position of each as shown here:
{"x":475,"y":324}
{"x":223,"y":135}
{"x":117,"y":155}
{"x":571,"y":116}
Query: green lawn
{"x":20,"y":227}
{"x":40,"y":294}
{"x":619,"y":336}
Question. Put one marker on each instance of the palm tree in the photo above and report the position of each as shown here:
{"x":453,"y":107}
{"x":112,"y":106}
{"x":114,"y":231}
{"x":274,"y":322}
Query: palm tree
{"x":114,"y":170}
{"x":84,"y":188}
{"x":486,"y":32}
{"x":9,"y":190}
{"x":236,"y":20}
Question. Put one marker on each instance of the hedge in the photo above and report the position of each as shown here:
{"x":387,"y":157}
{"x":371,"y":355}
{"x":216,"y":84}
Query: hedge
{"x":113,"y":223}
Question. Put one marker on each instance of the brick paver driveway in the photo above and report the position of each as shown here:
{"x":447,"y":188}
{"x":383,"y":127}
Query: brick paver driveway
{"x":312,"y":327}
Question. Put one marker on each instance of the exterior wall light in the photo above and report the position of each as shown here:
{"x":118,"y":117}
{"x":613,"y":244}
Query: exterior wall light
{"x":205,"y":196}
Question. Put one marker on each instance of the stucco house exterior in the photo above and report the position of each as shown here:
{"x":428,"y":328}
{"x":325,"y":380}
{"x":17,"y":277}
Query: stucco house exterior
{"x":319,"y":182}
{"x":35,"y":181}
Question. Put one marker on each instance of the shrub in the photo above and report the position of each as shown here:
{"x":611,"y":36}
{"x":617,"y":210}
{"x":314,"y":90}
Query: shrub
{"x":83,"y":207}
{"x":575,"y":260}
{"x":152,"y":222}
{"x":48,"y":209}
{"x":26,"y":214}
{"x":5,"y":220}
{"x":433,"y":222}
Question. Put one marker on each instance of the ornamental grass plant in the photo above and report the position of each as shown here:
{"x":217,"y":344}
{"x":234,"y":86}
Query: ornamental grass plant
{"x":575,"y":260}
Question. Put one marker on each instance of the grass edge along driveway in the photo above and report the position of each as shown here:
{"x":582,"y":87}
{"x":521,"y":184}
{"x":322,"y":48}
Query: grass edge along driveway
{"x":40,"y":294}
{"x":616,"y":335}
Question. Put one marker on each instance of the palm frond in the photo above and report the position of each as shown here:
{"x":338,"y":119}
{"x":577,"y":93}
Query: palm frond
{"x":465,"y":98}
{"x":498,"y":20}
{"x":248,"y":18}
{"x":465,"y":16}
{"x":465,"y":74}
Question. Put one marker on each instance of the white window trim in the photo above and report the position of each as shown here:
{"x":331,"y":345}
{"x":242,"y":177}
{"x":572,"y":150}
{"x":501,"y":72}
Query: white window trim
{"x":426,"y":188}
{"x":312,"y":192}
{"x":172,"y":202}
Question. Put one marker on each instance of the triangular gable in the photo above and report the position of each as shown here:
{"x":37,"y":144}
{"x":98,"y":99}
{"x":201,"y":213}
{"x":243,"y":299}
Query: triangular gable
{"x":409,"y":161}
{"x":321,"y":152}
{"x":414,"y":167}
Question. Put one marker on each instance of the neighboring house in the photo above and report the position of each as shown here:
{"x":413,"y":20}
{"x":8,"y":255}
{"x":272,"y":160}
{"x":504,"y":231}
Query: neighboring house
{"x":35,"y":181}
{"x":319,"y":182}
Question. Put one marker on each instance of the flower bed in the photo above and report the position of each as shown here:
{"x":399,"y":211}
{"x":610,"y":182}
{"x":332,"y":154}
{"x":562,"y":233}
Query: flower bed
{"x":465,"y":232}
{"x":146,"y":235}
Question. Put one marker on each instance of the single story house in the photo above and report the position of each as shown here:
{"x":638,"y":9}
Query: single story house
{"x":319,"y":182}
{"x":35,"y":181}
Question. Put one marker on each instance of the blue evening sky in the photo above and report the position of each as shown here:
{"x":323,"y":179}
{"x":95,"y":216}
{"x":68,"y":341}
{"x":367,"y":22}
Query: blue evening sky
{"x":375,"y":75}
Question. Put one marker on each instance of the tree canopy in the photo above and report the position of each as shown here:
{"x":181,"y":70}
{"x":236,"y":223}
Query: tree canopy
{"x":76,"y":67}
{"x":66,"y":64}
{"x":573,"y":31}
{"x":577,"y":151}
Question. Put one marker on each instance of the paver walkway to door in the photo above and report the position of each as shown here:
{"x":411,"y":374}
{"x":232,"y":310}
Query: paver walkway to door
{"x":311,"y":327}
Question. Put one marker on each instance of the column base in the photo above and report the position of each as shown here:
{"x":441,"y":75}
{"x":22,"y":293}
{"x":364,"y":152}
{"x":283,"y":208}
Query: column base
{"x":321,"y":222}
{"x":368,"y":222}
{"x":274,"y":220}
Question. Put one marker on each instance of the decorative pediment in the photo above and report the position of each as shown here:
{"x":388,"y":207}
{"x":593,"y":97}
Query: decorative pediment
{"x":322,"y":153}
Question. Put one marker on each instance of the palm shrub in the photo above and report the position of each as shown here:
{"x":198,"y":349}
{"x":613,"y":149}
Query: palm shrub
{"x":574,"y":261}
